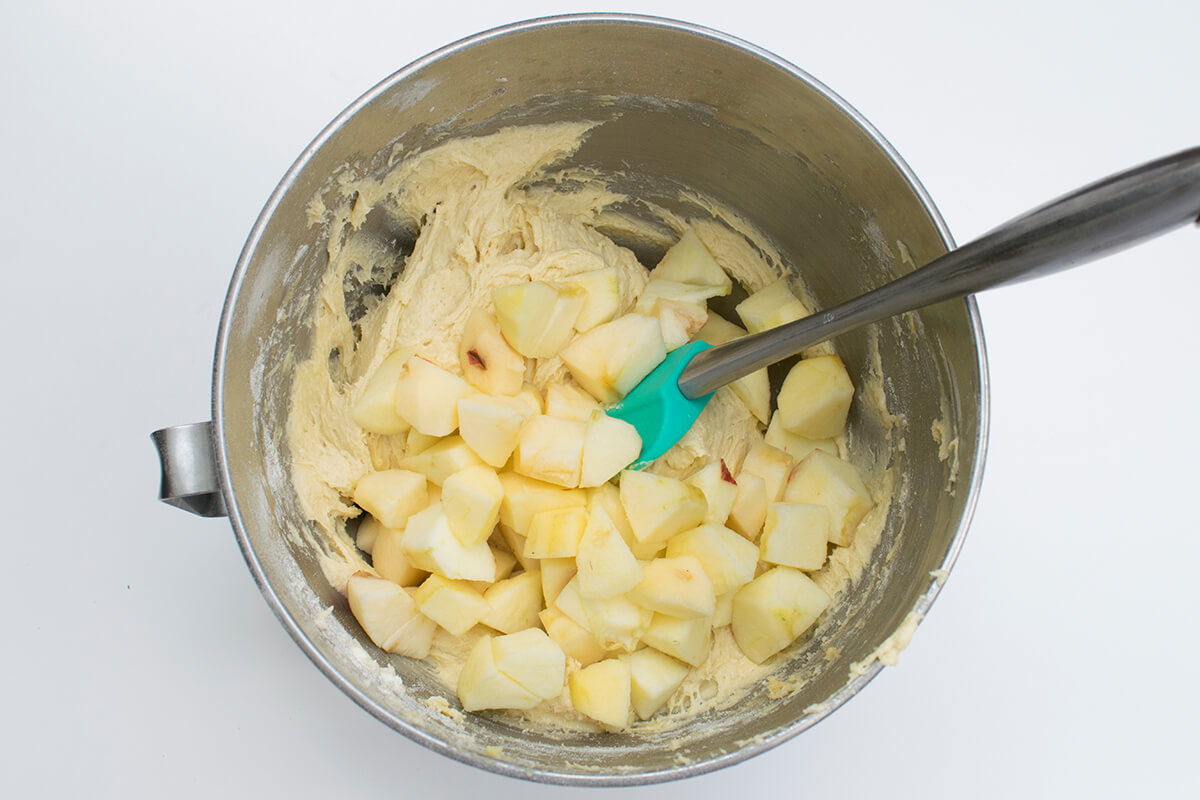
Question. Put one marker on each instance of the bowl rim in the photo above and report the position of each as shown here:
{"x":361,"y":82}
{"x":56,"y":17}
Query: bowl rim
{"x":750,"y":749}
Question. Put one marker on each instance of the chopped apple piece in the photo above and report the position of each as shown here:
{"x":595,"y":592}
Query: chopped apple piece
{"x":749,"y":510}
{"x":617,"y":622}
{"x":612,"y":358}
{"x":524,"y":497}
{"x":391,"y":495}
{"x":367,"y":532}
{"x":427,"y":397}
{"x":653,"y":677}
{"x":728,"y":559}
{"x":471,"y":498}
{"x":555,"y":532}
{"x":679,"y":320}
{"x":389,"y":616}
{"x":724,"y":613}
{"x":770,"y":307}
{"x":418,"y":442}
{"x":454,"y":605}
{"x":482,"y":685}
{"x":390,"y":560}
{"x":659,"y":289}
{"x":822,"y":479}
{"x":602,"y":290}
{"x":771,"y":611}
{"x":430,"y":545}
{"x":795,"y":535}
{"x":609,"y":446}
{"x":488,"y":362}
{"x":514,"y":603}
{"x":606,"y":567}
{"x":556,"y":573}
{"x":601,"y":691}
{"x":795,"y":446}
{"x":685,"y":639}
{"x":772,"y":465}
{"x":551,"y":449}
{"x":570,"y":602}
{"x":375,"y":409}
{"x":536,"y":318}
{"x":491,"y":425}
{"x":754,"y":390}
{"x":532,"y":659}
{"x":443,"y":459}
{"x":575,"y":640}
{"x":815,"y":397}
{"x":679,"y":587}
{"x":569,"y":402}
{"x":532,"y":398}
{"x":608,"y":497}
{"x":658,"y":507}
{"x":689,"y":261}
{"x":719,"y":488}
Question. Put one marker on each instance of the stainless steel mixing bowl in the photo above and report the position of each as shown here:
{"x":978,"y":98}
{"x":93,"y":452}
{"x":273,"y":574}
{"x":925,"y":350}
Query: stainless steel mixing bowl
{"x":681,"y":106}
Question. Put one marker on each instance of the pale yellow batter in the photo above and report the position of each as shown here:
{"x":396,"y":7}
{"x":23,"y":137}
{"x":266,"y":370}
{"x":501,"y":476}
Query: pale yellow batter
{"x":489,"y":214}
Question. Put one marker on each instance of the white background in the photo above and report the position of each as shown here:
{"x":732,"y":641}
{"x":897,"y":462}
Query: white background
{"x":138,"y":142}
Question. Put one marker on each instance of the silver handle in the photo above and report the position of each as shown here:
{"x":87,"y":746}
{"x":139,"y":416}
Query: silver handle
{"x":1096,"y":220}
{"x":189,"y":471}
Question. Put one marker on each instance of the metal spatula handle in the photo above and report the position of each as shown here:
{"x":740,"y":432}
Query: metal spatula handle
{"x":1096,"y":220}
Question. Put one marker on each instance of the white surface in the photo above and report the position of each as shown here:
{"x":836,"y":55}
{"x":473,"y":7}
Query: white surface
{"x":139,"y":143}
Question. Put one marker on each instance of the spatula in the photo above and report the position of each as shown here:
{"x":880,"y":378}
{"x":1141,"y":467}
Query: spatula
{"x":1094,"y":221}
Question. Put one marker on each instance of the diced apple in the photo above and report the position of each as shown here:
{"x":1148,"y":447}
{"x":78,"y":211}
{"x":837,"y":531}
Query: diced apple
{"x":389,"y":616}
{"x":795,"y":535}
{"x":719,"y":489}
{"x":430,"y":545}
{"x":749,"y":510}
{"x":556,"y":573}
{"x":566,"y":401}
{"x":427,"y":397}
{"x":617,"y":622}
{"x":724,"y":612}
{"x":826,"y":480}
{"x":375,"y":409}
{"x":689,"y":261}
{"x":685,"y":639}
{"x":658,"y":289}
{"x":471,"y":498}
{"x":482,"y":685}
{"x":367,"y":532}
{"x":795,"y":446}
{"x":390,"y":560}
{"x":771,"y":611}
{"x":443,"y":459}
{"x":514,"y":603}
{"x":612,"y":358}
{"x":728,"y":559}
{"x":815,"y":397}
{"x":658,"y":507}
{"x":555,"y":532}
{"x":454,"y":605}
{"x":601,"y":691}
{"x":602,"y":290}
{"x":772,"y":465}
{"x":532,"y":659}
{"x":487,"y":360}
{"x":609,"y":446}
{"x":491,"y":425}
{"x":653,"y":677}
{"x":770,"y":307}
{"x":575,"y":640}
{"x":524,"y":497}
{"x":570,"y":602}
{"x":679,"y":320}
{"x":754,"y":390}
{"x":679,"y":587}
{"x":536,"y":318}
{"x":417,"y":442}
{"x":606,"y":567}
{"x":391,"y":495}
{"x":532,"y":398}
{"x":551,"y":449}
{"x":608,"y":497}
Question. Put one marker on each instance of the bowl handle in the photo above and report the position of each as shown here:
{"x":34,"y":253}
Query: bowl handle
{"x":189,"y":472}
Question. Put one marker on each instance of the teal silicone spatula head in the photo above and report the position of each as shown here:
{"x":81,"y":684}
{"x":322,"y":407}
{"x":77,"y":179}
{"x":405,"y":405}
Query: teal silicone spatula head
{"x":662,"y":413}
